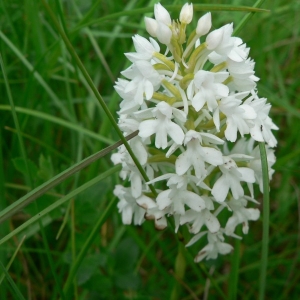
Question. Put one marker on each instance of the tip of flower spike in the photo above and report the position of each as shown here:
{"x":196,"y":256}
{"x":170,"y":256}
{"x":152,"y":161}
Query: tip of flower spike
{"x":162,"y":15}
{"x":186,"y":13}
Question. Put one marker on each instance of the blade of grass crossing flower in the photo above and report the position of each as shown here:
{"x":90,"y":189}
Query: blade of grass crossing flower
{"x":42,"y":189}
{"x":115,"y":99}
{"x":266,"y":216}
{"x":17,"y":292}
{"x":97,"y":94}
{"x":60,"y":202}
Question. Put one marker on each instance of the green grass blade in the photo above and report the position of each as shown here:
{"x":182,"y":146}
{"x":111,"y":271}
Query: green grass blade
{"x":28,"y":178}
{"x":12,"y":258}
{"x":11,"y":282}
{"x":4,"y":228}
{"x":266,"y":217}
{"x":37,"y":76}
{"x":59,"y":121}
{"x":274,"y":99}
{"x":64,"y":222}
{"x":249,"y":16}
{"x":60,"y":202}
{"x":96,"y":47}
{"x":42,"y":189}
{"x":41,"y":143}
{"x":49,"y":256}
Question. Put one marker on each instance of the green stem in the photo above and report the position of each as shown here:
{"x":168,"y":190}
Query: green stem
{"x":180,"y":267}
{"x":266,"y":215}
{"x":234,"y":272}
{"x":97,"y":94}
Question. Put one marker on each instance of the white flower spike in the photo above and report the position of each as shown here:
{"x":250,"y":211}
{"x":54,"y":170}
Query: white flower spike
{"x":189,"y":114}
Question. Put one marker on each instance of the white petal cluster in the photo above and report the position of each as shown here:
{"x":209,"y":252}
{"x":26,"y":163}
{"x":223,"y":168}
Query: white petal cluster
{"x":199,"y":119}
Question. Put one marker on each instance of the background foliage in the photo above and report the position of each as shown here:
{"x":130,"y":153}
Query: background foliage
{"x":61,"y":122}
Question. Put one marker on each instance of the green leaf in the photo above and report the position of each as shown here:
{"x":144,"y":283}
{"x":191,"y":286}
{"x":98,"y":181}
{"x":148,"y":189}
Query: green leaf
{"x":20,"y":165}
{"x":89,"y":266}
{"x":45,"y":171}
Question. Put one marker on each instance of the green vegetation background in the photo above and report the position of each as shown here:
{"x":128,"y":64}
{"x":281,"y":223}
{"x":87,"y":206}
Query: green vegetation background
{"x":61,"y":123}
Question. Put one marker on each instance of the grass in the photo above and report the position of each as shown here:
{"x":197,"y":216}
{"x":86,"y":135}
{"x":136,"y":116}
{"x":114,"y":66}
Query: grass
{"x":51,"y":119}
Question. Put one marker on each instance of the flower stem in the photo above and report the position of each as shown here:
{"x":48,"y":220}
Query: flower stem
{"x":180,"y":267}
{"x":234,"y":272}
{"x":266,"y":214}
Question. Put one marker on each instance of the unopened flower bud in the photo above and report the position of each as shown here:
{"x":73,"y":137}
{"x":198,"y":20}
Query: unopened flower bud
{"x":151,"y":26}
{"x":161,"y":14}
{"x":214,"y":38}
{"x":186,"y":14}
{"x":204,"y":24}
{"x":164,"y":33}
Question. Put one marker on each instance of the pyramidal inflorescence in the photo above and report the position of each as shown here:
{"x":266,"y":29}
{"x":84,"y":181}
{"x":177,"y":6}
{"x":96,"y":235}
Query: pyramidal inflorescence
{"x":199,"y":119}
